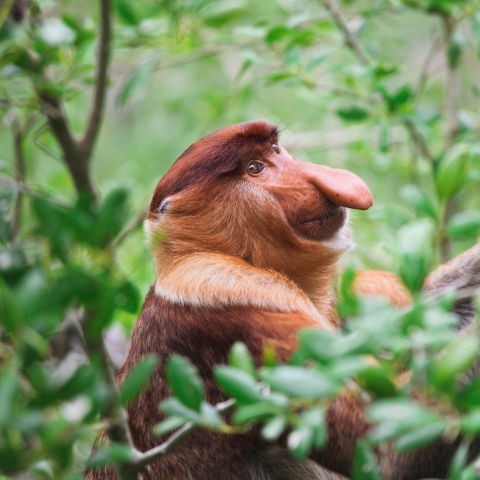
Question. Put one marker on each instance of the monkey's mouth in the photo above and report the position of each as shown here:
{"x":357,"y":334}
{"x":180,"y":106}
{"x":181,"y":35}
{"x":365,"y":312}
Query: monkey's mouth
{"x":324,"y":226}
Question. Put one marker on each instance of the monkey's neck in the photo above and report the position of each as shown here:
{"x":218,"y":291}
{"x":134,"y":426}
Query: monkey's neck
{"x":219,"y":281}
{"x":318,"y":283}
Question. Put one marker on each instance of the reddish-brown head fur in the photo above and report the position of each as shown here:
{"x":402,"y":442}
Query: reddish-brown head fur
{"x":237,"y":193}
{"x":212,"y":192}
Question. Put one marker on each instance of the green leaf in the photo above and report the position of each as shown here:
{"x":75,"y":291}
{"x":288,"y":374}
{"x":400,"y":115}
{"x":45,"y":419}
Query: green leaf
{"x":415,"y":241}
{"x":315,"y":419}
{"x":470,"y":423}
{"x":300,"y":441}
{"x":210,"y":416}
{"x":377,"y":379}
{"x":218,"y":14}
{"x":353,"y":113}
{"x":459,"y":461}
{"x":420,"y":436}
{"x":398,"y":99}
{"x":111,"y":453}
{"x":455,"y":359}
{"x":127,"y":297}
{"x":274,"y":427}
{"x":454,"y":53}
{"x":255,"y":411}
{"x":174,"y":408}
{"x":416,"y":198}
{"x":277,"y":33}
{"x":241,"y":359}
{"x":470,"y":394}
{"x":167,"y":425}
{"x":8,"y":390}
{"x":135,"y":83}
{"x":10,"y":316}
{"x":365,"y":465}
{"x":298,"y":382}
{"x":325,"y":346}
{"x":384,"y":69}
{"x":238,"y":384}
{"x":185,"y":382}
{"x":137,"y":379}
{"x":113,"y":215}
{"x":126,"y":12}
{"x":464,"y":225}
{"x":451,"y":170}
{"x":398,"y":417}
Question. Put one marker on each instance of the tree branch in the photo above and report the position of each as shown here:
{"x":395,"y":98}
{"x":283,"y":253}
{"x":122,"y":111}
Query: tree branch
{"x":452,"y":93}
{"x":159,"y":451}
{"x":452,"y":86}
{"x":20,"y":172}
{"x":99,"y":96}
{"x":350,"y":39}
{"x":362,"y":56}
{"x":417,"y":139}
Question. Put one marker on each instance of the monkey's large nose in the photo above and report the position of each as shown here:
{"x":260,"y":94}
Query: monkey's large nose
{"x":341,"y":187}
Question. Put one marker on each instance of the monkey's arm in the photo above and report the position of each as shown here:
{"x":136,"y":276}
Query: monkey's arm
{"x":462,"y":276}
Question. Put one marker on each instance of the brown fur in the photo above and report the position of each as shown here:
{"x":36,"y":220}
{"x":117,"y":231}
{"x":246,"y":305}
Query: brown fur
{"x":250,"y":258}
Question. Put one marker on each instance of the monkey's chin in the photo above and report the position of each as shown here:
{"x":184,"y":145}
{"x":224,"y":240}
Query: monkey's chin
{"x":323,"y":227}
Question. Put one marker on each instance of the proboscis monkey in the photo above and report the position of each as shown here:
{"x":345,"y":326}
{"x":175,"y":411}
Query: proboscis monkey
{"x":246,"y":242}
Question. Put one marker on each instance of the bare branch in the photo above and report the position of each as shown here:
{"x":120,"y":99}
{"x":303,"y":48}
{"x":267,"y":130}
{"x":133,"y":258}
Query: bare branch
{"x":417,"y":139}
{"x":76,"y":163}
{"x":159,"y":451}
{"x":20,"y":172}
{"x":452,"y":84}
{"x":350,"y":39}
{"x":99,"y":96}
{"x":423,"y":76}
{"x":452,"y":94}
{"x":53,"y":109}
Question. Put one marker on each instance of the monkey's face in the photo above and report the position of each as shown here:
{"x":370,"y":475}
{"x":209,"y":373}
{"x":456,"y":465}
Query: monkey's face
{"x":313,"y":197}
{"x":237,"y":192}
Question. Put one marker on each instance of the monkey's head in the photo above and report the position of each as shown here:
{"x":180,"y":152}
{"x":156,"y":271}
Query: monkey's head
{"x":238,"y":191}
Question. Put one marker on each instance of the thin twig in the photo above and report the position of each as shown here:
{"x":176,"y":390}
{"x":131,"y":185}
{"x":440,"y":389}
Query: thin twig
{"x":133,"y":225}
{"x":99,"y":96}
{"x":20,"y":173}
{"x":159,"y":451}
{"x":452,"y":93}
{"x":417,"y":139}
{"x":423,"y":76}
{"x":350,"y":39}
{"x":356,"y":47}
{"x":452,"y":83}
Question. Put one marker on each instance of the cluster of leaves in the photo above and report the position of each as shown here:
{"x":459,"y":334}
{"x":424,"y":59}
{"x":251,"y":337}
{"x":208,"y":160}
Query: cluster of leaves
{"x":65,"y":269}
{"x":367,"y":360}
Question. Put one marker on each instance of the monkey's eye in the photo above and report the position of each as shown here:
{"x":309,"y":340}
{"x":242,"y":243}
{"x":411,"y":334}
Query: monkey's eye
{"x":255,"y":168}
{"x":276,"y":148}
{"x":164,"y":205}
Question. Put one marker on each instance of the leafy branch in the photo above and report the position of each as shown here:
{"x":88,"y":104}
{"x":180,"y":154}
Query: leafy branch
{"x":77,"y":152}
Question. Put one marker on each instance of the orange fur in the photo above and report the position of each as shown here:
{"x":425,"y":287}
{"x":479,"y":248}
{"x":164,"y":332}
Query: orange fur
{"x":246,"y":243}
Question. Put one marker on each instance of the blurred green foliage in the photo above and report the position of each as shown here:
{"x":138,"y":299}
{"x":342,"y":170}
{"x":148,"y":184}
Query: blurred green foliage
{"x":405,"y":118}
